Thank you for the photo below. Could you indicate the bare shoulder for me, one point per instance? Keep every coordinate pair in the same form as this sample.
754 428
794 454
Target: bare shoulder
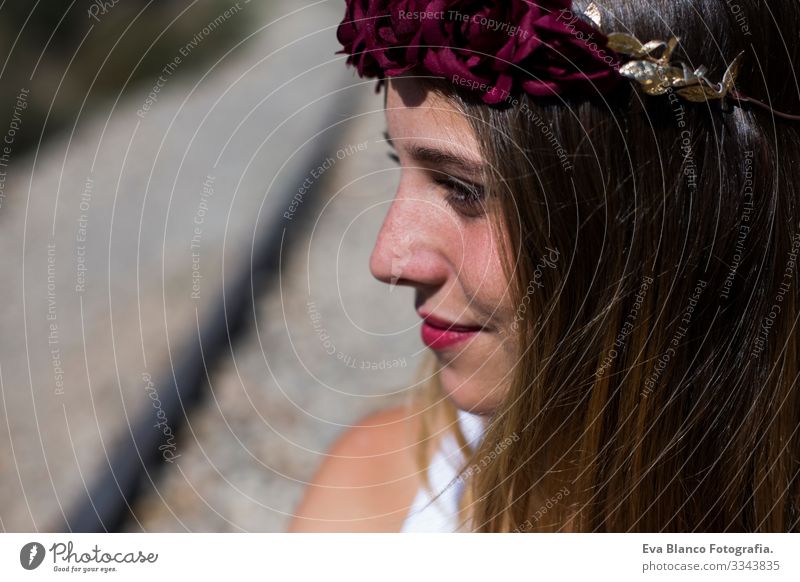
368 479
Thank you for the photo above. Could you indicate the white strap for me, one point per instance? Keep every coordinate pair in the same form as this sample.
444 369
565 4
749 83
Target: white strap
442 514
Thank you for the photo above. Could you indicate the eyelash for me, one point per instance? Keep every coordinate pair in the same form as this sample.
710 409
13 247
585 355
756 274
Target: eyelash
465 198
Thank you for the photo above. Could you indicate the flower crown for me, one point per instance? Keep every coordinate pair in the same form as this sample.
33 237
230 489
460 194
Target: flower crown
498 48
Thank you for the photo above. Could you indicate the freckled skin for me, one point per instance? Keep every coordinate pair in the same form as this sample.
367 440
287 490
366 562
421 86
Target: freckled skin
451 260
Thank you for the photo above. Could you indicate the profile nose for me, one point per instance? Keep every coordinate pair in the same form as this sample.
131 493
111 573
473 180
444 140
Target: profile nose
408 250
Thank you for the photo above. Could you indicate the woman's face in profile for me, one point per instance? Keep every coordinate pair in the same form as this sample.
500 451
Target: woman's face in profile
438 239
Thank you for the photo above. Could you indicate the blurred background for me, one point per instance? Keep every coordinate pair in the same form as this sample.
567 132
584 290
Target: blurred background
189 194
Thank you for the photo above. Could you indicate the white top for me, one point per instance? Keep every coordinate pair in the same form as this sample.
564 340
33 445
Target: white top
442 514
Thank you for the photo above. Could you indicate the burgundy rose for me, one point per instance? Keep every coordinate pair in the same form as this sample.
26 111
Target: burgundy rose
495 47
573 58
380 37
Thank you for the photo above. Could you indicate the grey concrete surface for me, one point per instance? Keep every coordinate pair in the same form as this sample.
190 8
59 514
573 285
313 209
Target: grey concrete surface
96 232
330 345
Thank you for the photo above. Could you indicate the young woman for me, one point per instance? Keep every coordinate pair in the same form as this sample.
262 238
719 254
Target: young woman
603 235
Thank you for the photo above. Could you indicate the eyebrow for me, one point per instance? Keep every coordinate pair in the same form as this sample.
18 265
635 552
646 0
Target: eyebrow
437 157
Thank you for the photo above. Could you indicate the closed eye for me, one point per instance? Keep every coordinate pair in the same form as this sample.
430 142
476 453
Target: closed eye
463 196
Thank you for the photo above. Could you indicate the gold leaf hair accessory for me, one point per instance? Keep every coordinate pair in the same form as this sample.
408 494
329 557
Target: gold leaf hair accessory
651 66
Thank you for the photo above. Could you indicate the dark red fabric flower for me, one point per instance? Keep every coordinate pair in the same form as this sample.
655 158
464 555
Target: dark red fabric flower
495 47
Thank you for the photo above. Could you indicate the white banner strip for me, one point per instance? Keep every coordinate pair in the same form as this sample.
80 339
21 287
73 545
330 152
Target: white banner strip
401 557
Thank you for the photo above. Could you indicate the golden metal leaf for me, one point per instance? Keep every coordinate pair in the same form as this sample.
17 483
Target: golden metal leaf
699 93
657 75
642 71
651 46
686 81
689 77
654 78
593 13
671 44
656 89
729 78
677 76
625 44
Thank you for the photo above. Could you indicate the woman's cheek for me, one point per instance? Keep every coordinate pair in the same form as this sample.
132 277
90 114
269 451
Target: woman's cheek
483 274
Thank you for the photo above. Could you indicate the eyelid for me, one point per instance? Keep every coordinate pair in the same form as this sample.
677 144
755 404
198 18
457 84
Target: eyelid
469 184
448 179
469 209
435 158
466 198
444 178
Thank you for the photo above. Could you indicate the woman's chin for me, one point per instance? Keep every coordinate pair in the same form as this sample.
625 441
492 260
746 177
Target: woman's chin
467 391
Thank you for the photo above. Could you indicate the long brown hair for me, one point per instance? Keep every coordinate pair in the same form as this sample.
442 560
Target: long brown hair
656 383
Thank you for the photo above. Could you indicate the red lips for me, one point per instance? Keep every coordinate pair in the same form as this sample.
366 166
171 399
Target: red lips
439 334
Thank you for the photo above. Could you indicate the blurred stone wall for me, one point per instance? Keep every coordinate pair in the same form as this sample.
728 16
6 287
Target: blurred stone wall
109 274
